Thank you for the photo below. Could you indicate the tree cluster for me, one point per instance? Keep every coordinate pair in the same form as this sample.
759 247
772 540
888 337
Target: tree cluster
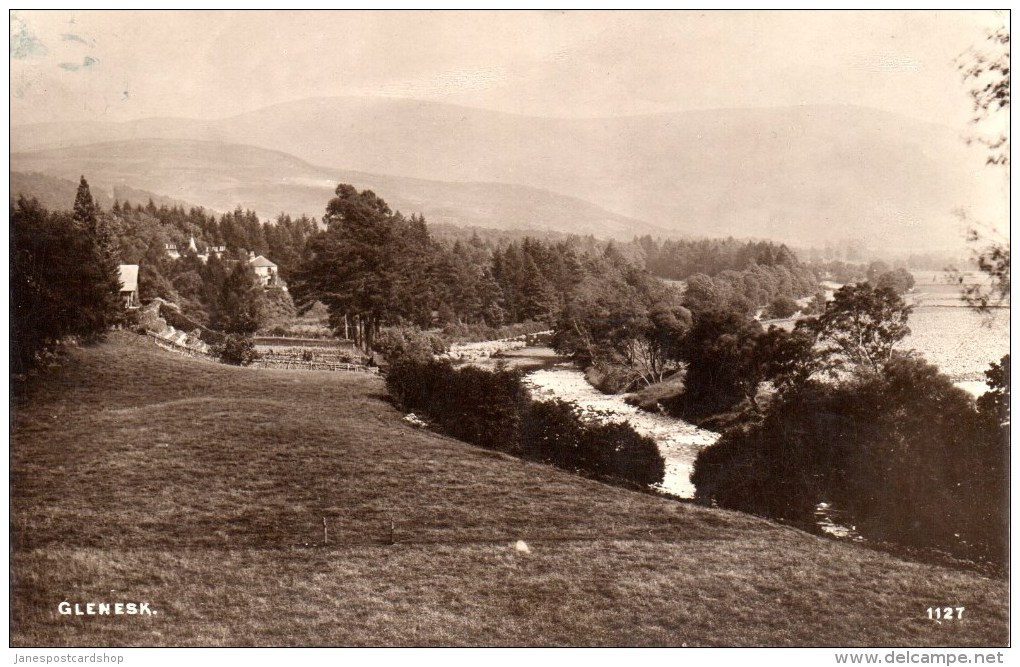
631 326
64 276
144 231
884 437
620 316
879 274
728 357
373 267
753 289
679 259
903 454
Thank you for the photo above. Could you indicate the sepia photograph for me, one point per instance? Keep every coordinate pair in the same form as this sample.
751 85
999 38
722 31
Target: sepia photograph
512 329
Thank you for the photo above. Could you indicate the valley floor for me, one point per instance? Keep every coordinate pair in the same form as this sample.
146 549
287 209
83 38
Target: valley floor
203 490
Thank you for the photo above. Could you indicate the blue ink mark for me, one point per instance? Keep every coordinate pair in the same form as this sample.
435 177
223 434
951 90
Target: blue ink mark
71 37
25 45
88 62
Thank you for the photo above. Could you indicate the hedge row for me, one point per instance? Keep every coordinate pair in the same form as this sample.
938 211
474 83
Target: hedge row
494 410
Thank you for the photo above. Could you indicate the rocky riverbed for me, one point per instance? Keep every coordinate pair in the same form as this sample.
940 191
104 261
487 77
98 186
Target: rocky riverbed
678 441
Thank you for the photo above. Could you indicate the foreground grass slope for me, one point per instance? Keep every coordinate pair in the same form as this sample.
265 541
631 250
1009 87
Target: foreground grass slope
202 489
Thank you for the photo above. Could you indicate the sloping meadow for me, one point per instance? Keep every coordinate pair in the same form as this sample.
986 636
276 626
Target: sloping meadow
254 507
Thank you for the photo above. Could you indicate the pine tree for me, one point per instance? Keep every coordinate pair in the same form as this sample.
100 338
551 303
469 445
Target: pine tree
356 267
86 211
99 290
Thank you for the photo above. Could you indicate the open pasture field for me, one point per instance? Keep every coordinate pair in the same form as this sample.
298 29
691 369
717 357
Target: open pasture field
959 341
935 288
203 490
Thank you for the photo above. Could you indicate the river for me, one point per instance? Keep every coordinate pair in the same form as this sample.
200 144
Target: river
550 377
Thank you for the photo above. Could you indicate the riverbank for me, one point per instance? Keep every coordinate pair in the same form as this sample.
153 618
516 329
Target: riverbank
551 376
678 441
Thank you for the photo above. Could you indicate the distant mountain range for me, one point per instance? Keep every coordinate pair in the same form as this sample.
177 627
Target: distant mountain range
58 194
223 176
804 175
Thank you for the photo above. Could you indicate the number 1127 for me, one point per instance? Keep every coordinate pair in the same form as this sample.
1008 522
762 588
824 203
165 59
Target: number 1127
945 613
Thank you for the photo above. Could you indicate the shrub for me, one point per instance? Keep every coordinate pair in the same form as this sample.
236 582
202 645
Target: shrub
899 281
553 433
611 378
237 350
781 307
131 320
398 342
480 407
484 407
631 457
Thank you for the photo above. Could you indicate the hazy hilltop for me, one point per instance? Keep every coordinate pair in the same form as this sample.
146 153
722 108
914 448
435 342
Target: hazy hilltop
57 193
223 176
804 175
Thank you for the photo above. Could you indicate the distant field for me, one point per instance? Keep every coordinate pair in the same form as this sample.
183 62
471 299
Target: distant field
961 343
945 331
137 475
950 335
933 288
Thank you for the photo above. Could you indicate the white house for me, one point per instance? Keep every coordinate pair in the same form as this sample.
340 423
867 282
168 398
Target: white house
129 282
264 269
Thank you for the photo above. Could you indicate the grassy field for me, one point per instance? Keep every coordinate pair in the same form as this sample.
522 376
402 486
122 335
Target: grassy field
959 341
201 489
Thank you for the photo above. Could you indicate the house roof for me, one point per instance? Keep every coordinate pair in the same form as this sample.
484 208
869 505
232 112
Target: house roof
261 261
129 277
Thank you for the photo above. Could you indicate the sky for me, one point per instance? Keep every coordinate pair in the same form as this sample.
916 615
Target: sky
123 65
